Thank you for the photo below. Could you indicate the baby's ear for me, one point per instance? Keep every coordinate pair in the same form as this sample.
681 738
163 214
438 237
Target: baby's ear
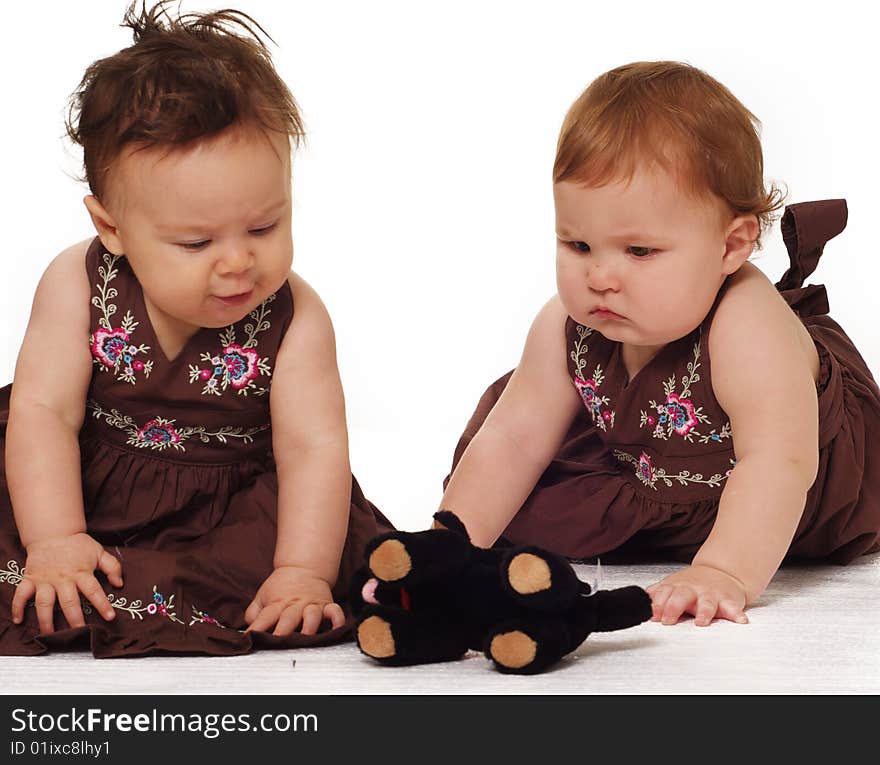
105 225
739 242
444 519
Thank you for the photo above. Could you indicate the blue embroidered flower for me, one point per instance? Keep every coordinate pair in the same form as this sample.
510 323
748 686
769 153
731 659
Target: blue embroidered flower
159 433
242 364
108 346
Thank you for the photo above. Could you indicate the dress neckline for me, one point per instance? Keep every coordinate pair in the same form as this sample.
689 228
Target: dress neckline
148 321
617 364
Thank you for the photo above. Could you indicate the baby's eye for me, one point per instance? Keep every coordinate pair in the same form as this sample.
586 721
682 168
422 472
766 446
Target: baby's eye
641 252
195 246
579 246
263 230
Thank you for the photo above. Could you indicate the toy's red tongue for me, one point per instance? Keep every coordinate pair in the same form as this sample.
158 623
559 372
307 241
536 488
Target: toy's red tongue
404 599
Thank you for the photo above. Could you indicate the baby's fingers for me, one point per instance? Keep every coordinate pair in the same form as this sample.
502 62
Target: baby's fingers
94 593
707 606
680 600
732 611
112 568
659 595
265 619
23 593
44 601
334 613
68 599
311 618
289 620
253 610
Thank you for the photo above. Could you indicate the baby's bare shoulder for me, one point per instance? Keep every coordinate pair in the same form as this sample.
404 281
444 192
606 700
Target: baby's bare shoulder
64 286
751 299
58 329
760 368
67 270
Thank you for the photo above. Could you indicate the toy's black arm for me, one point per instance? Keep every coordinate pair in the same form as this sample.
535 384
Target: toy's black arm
618 609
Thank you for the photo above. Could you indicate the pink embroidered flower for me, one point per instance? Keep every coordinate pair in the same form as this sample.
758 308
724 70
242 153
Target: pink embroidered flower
108 345
680 412
241 365
587 389
606 415
151 609
645 468
155 432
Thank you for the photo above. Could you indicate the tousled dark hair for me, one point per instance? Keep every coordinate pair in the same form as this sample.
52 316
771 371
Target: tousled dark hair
185 78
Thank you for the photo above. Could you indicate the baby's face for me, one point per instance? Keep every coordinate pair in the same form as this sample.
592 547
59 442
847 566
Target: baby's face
206 229
639 262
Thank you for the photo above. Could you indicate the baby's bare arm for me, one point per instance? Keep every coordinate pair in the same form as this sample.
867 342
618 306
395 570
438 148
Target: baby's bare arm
763 375
42 450
764 378
310 444
48 404
521 435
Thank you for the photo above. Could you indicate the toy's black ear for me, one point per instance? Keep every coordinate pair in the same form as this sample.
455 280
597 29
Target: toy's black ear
449 520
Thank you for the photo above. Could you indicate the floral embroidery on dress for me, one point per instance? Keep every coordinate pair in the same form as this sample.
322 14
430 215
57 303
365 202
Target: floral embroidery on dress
201 617
236 365
111 347
157 606
160 433
160 606
136 608
649 474
588 389
677 413
12 573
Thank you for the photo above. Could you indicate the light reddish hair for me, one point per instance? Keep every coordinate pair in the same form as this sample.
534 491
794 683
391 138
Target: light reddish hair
677 116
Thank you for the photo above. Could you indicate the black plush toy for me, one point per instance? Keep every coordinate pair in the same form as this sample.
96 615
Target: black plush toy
429 596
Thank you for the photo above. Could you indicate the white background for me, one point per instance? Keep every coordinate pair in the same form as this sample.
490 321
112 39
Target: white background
423 211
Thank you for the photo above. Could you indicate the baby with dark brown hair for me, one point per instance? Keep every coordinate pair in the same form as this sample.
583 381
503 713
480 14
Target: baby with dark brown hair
177 479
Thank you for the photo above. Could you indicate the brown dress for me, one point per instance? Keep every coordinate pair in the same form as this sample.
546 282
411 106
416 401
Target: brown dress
642 469
178 482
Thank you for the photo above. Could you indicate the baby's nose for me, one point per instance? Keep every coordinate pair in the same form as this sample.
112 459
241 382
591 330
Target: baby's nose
235 260
602 276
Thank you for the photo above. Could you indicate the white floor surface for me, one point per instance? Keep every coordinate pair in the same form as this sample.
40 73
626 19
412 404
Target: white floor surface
816 630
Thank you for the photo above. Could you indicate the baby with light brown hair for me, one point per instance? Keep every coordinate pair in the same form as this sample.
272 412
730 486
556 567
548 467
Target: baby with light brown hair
670 400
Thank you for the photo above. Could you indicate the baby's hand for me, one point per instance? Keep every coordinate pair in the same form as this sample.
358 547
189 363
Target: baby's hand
703 591
62 568
289 597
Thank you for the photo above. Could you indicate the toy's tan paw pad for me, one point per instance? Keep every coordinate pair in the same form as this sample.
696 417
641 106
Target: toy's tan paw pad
390 561
375 638
529 574
513 649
